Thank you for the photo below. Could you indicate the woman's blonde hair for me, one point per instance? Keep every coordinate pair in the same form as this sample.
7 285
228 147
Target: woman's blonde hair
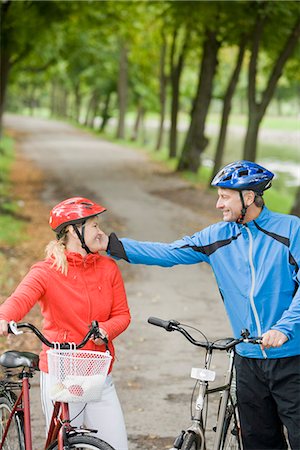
56 250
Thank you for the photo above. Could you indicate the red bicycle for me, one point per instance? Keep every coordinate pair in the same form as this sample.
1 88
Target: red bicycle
15 423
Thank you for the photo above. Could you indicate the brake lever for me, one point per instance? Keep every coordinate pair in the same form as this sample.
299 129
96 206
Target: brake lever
94 329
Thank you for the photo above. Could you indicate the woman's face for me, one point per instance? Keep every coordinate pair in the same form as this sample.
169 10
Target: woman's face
93 235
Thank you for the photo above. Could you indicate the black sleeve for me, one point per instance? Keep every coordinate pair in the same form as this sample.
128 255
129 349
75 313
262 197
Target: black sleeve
115 247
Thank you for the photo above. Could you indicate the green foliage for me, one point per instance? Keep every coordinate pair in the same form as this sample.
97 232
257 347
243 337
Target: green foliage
11 230
64 53
6 160
273 153
11 227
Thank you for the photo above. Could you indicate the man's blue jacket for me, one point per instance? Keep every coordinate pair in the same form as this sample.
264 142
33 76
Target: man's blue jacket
256 266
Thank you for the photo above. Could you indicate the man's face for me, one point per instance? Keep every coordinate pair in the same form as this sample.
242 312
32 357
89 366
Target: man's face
230 204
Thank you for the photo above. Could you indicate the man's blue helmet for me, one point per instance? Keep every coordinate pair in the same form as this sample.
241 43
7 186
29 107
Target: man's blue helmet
244 175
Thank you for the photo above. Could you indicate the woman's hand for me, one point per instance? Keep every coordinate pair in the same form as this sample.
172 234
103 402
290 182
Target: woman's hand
99 341
3 327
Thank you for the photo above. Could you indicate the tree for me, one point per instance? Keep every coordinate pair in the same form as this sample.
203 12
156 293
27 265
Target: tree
176 67
21 22
296 207
196 141
227 106
271 15
122 90
163 80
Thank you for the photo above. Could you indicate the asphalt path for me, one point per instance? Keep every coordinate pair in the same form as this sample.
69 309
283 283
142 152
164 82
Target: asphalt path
152 369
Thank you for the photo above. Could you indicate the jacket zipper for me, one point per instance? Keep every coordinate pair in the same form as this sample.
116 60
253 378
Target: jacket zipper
251 295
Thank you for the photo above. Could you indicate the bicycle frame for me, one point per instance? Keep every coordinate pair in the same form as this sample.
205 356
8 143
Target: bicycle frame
60 421
195 434
60 426
197 421
22 399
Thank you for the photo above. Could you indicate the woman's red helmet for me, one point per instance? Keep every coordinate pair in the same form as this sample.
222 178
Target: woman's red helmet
72 211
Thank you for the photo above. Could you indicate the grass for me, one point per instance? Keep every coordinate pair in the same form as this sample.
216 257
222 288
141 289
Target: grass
11 228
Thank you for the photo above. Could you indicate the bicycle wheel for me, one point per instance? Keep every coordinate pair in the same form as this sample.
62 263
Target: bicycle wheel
231 439
84 443
15 438
191 441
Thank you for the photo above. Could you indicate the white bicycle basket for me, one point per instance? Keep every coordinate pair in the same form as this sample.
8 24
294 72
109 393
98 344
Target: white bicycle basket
77 375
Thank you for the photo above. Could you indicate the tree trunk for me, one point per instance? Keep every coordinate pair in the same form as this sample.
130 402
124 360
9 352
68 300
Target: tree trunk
257 110
89 109
77 105
138 121
122 91
163 80
296 207
105 112
227 107
196 141
250 145
63 104
5 64
176 70
53 98
92 109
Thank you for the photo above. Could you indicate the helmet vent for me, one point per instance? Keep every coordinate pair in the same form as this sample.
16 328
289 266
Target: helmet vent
243 173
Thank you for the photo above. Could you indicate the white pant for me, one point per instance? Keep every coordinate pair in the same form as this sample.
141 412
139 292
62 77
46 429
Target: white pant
105 416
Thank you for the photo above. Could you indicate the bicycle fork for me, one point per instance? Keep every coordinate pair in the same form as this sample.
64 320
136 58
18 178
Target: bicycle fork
223 402
197 420
204 376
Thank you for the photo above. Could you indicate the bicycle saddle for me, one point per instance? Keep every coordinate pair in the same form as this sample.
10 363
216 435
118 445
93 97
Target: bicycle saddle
13 359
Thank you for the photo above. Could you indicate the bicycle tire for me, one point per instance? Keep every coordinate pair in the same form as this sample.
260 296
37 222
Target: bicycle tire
231 439
191 441
15 437
84 443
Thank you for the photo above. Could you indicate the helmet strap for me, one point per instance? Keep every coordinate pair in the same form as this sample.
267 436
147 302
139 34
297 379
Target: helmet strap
243 210
81 237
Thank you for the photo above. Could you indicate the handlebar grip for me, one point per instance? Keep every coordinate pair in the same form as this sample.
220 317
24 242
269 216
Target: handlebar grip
12 328
168 325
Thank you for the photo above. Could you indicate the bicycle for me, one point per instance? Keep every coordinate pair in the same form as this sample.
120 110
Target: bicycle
15 425
227 432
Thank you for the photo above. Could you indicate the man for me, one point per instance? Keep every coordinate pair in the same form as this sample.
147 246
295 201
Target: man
255 257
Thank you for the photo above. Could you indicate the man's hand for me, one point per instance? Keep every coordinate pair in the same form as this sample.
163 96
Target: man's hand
273 338
3 328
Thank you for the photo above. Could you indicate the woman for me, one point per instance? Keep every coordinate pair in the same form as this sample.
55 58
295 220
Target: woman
73 286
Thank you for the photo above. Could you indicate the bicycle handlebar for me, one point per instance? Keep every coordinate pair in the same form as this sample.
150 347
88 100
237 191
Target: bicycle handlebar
174 325
94 331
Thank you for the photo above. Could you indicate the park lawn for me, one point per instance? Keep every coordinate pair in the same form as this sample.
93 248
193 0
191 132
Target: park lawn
12 228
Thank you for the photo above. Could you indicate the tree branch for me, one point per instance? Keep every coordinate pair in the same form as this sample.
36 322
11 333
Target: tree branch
277 70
